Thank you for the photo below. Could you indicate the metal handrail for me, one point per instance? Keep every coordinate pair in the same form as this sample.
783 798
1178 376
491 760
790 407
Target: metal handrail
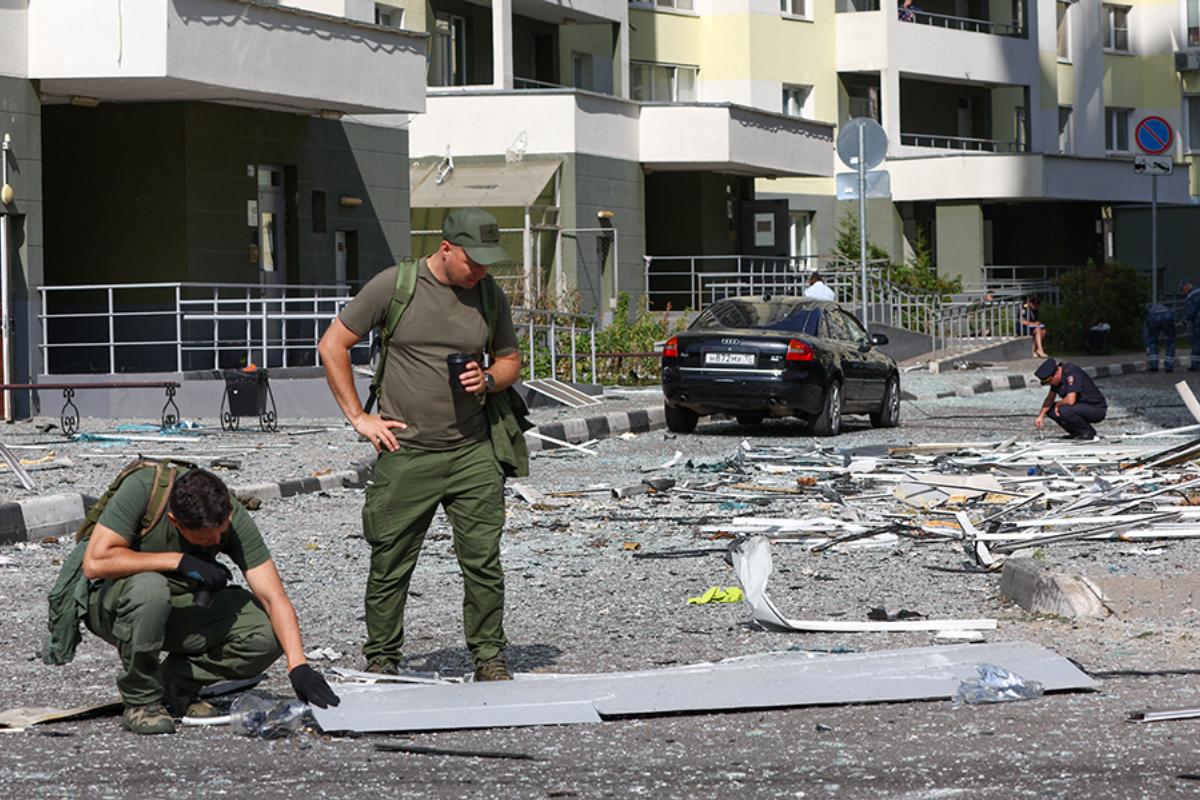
969 143
968 24
262 322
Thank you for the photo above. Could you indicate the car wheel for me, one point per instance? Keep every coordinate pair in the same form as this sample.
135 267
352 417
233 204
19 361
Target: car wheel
680 419
829 421
888 415
750 419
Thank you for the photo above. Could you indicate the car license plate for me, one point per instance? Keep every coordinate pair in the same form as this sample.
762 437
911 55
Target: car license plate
735 359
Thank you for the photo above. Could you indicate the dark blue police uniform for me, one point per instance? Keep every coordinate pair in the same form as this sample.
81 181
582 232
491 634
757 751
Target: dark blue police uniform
1090 405
1160 321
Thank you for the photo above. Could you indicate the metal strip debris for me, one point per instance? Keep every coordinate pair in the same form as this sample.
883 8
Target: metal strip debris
752 562
770 680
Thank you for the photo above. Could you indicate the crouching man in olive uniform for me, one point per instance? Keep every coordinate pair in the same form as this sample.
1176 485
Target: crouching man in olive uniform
163 591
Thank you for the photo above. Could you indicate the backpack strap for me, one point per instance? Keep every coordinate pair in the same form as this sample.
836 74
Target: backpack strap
160 493
406 284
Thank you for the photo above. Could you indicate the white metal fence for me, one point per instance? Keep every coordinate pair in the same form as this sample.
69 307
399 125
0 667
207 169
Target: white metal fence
694 282
179 327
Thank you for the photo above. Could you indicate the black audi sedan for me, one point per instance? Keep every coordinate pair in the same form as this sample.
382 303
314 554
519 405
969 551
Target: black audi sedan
756 357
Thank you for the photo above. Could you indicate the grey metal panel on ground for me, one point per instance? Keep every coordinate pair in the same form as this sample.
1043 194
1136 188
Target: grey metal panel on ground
563 393
764 681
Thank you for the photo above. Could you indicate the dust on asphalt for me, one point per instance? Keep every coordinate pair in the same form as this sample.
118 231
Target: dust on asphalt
578 601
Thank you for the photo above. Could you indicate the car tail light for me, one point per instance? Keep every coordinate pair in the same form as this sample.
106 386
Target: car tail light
671 348
799 351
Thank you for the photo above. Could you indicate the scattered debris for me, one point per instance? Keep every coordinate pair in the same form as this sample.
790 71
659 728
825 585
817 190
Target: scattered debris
326 653
562 393
226 463
393 747
996 685
718 594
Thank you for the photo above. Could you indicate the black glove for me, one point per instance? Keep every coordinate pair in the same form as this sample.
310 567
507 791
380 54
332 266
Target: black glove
209 574
311 688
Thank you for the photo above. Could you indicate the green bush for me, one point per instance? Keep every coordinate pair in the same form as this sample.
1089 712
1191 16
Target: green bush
628 333
918 273
1114 293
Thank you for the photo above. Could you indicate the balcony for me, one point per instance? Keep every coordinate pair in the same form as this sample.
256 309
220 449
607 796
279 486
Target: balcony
733 139
234 51
936 44
667 137
1028 176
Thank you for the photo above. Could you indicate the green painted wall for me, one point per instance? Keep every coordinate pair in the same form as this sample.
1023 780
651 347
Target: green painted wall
159 192
959 232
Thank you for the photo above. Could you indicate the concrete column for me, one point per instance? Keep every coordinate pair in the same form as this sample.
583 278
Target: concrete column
502 47
889 100
958 229
622 59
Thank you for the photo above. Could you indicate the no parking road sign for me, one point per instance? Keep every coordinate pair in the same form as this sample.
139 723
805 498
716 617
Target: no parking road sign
1153 135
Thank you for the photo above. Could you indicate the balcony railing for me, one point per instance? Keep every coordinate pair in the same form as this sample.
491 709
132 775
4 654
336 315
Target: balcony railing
965 143
968 24
936 20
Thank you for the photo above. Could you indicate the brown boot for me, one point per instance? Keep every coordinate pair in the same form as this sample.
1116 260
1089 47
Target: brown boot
493 669
148 719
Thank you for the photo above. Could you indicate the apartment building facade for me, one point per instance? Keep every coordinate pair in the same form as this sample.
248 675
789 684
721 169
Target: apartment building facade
1010 122
214 141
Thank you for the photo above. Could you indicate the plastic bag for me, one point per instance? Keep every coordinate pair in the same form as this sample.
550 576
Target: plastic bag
266 718
995 685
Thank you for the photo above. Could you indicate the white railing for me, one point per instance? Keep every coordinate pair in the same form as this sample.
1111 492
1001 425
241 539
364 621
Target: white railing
966 143
152 327
178 327
694 282
968 24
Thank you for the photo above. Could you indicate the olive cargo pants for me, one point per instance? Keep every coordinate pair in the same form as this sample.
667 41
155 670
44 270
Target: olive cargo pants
402 498
147 613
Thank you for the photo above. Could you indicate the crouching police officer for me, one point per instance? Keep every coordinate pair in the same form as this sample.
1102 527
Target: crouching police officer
160 590
1081 402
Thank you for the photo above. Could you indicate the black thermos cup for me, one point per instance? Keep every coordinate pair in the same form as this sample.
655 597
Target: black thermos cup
456 364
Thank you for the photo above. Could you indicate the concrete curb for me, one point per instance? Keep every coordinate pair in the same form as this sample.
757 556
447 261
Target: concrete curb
61 514
1005 383
1041 590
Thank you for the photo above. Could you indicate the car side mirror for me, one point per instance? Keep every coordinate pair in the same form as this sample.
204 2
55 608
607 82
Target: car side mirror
879 339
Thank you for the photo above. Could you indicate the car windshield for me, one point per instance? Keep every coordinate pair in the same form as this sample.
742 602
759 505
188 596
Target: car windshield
778 315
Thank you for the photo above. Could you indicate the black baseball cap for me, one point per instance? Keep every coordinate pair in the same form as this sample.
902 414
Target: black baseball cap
1045 370
477 232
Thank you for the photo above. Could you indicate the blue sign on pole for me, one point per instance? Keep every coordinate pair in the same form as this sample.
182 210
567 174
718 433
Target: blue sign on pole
1153 135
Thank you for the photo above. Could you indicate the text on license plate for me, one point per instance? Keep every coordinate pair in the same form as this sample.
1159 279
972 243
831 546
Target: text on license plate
738 359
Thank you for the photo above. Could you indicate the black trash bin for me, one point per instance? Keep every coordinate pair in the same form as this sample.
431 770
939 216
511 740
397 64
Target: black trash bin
1097 339
247 394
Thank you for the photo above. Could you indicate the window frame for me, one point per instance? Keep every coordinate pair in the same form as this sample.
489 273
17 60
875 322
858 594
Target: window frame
1065 37
673 80
807 89
668 7
1108 34
790 13
1191 116
395 12
1111 115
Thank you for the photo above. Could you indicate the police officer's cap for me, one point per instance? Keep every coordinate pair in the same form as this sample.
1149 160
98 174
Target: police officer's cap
1045 370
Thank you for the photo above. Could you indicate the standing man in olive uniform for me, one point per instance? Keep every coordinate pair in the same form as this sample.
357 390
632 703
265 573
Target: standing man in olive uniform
143 599
1080 403
433 441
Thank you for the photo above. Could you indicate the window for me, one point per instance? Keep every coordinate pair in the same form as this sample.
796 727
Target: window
662 83
799 234
1064 32
1116 130
1193 23
1116 28
1192 104
448 51
1064 129
389 16
794 8
796 101
679 5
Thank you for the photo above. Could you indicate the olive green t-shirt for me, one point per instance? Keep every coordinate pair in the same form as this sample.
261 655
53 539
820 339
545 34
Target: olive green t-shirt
123 515
439 320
